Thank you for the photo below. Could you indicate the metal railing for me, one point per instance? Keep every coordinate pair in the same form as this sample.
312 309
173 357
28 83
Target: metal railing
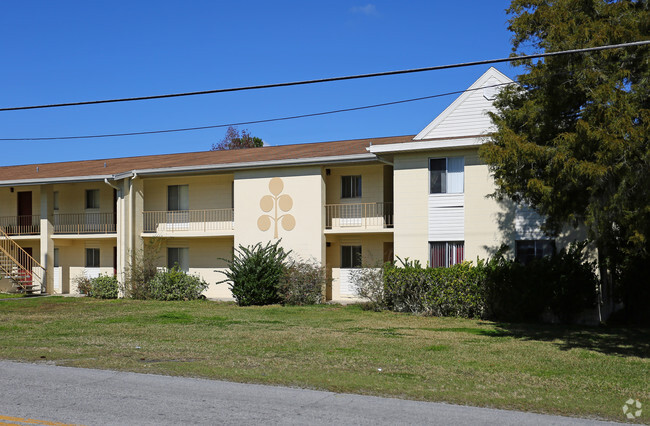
189 220
362 215
21 225
84 223
19 266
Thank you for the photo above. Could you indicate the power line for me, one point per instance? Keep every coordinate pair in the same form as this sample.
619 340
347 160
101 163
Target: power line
242 123
331 79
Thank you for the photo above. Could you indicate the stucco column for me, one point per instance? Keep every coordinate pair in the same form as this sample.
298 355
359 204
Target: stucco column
137 208
47 230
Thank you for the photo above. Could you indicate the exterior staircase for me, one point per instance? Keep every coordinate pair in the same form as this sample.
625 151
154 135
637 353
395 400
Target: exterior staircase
16 265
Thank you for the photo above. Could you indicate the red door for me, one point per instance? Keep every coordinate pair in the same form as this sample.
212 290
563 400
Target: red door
25 212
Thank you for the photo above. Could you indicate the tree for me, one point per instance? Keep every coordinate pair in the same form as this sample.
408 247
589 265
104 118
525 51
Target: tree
572 135
235 140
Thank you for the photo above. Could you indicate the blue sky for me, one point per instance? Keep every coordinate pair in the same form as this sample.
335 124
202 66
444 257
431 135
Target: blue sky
70 51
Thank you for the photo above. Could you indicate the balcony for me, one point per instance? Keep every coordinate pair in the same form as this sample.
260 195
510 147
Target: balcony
189 222
65 223
85 223
21 225
358 217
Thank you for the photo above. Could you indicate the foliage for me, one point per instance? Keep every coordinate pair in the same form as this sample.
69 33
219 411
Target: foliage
235 140
254 273
369 285
563 285
84 285
104 287
101 287
175 284
572 137
453 291
141 269
302 283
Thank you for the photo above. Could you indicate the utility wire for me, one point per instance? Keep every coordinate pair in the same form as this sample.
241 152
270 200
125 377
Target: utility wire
326 80
268 120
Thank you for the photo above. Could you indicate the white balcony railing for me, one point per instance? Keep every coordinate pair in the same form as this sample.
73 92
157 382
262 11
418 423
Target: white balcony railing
21 225
188 221
360 216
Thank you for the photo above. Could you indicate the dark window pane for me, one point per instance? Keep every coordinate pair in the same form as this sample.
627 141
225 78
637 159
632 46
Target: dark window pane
92 258
92 198
350 257
350 186
438 175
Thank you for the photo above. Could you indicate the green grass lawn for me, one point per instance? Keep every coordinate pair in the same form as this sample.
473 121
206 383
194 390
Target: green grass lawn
551 369
10 295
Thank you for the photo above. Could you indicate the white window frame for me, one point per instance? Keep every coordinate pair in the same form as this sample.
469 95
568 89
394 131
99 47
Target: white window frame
448 175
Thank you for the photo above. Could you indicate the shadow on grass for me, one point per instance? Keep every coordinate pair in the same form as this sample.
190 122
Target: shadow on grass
610 341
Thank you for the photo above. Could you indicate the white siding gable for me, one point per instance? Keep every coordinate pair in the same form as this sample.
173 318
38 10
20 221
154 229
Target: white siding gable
467 115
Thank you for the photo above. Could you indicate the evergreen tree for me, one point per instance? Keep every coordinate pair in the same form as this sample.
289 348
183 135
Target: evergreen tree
572 135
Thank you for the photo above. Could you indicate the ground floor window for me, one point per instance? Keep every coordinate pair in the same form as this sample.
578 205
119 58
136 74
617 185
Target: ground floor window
445 254
178 256
350 256
528 250
92 258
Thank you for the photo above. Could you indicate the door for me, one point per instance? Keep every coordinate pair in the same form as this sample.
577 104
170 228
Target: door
24 212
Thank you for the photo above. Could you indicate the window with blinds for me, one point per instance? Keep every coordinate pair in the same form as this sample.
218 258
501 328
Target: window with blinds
446 254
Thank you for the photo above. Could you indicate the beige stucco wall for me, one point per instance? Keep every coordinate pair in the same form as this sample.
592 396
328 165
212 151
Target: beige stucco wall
372 184
72 258
372 248
305 186
411 191
72 197
9 200
205 192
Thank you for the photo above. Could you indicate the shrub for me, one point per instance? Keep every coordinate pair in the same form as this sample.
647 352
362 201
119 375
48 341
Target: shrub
302 283
453 291
369 285
141 269
563 284
175 284
104 287
84 285
254 273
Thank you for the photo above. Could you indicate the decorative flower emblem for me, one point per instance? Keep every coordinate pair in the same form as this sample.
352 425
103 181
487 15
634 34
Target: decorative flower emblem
272 203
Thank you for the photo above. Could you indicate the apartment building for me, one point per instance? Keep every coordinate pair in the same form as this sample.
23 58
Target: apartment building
345 204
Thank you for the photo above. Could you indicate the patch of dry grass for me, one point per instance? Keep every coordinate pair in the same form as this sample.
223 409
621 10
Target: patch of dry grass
551 369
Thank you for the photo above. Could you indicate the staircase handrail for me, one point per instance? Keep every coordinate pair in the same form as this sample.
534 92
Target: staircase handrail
12 250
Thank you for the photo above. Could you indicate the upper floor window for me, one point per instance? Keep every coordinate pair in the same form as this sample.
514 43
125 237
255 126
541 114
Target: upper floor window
178 197
446 254
528 250
351 186
55 200
92 198
446 175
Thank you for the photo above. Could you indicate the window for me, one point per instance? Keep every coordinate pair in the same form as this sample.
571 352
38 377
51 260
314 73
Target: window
350 257
528 250
55 200
178 197
350 186
178 256
92 258
446 175
92 198
56 258
445 254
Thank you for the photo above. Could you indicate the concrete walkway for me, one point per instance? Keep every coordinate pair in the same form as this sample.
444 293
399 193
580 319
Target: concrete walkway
51 395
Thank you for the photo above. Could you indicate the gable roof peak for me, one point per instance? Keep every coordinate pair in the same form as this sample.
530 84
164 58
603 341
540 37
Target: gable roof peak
467 115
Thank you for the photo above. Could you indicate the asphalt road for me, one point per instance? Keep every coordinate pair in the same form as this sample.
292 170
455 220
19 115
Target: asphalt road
50 395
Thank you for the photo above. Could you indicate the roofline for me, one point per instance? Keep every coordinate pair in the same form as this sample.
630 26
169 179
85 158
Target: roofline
428 145
352 158
52 180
